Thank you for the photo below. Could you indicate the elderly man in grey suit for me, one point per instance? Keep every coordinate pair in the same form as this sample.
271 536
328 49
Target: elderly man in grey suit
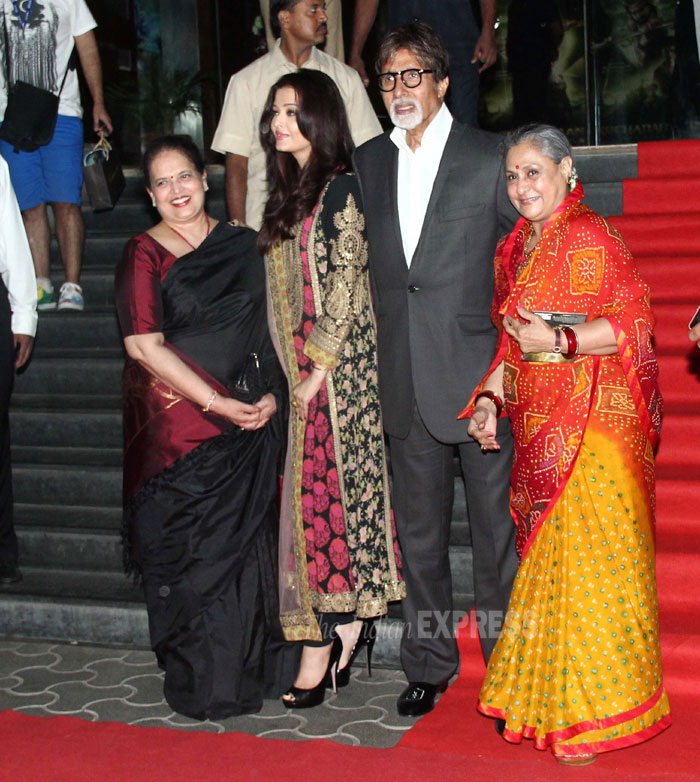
435 204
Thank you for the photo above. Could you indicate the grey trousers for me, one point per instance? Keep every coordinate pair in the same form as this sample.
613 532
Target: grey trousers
423 491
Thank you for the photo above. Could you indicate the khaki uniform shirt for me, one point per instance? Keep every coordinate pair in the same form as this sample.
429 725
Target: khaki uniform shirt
238 129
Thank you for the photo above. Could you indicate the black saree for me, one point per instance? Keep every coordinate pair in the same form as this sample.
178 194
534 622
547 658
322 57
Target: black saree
200 493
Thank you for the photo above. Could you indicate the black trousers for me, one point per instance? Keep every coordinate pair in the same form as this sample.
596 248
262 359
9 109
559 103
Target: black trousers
423 491
8 539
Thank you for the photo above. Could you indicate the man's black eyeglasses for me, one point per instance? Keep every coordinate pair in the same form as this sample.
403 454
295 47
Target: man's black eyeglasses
411 77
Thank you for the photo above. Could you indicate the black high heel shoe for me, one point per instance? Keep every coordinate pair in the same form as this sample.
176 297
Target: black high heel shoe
366 640
306 699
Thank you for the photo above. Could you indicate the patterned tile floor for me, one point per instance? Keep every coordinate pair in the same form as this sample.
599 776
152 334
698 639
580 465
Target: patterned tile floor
125 685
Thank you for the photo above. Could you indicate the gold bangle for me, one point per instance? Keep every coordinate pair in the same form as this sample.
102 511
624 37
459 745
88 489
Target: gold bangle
213 396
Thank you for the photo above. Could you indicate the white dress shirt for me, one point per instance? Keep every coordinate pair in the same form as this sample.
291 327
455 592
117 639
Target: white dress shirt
417 172
16 266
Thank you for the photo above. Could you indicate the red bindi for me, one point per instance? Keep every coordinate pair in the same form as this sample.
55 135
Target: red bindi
517 168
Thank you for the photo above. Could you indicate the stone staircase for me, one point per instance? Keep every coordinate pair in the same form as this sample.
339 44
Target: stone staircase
66 435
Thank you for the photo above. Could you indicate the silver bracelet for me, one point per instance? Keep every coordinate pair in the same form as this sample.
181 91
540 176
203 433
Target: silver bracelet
213 396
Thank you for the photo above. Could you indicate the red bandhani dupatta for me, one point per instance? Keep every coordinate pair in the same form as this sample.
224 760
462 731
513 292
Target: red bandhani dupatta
580 265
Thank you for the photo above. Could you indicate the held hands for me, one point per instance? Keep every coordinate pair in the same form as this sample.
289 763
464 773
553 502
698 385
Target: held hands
534 335
304 392
482 426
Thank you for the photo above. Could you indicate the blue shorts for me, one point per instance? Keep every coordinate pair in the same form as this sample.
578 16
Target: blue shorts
51 173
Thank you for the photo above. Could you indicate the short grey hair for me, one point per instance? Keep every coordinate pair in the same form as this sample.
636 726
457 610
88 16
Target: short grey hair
424 43
550 141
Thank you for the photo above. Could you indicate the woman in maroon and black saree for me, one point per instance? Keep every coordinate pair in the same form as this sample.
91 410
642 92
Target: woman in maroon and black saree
200 467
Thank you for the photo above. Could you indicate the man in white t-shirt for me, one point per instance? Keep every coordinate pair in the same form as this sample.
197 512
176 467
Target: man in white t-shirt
302 24
40 36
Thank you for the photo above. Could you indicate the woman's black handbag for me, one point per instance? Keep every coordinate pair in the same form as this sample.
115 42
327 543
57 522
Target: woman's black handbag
249 387
30 116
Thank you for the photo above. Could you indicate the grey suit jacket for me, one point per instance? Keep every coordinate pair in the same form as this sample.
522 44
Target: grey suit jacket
434 330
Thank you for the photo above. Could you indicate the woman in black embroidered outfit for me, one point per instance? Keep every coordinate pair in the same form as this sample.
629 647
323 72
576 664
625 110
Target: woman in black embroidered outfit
200 467
339 562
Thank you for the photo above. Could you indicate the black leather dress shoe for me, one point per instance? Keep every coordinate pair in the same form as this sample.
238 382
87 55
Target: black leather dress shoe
418 698
500 726
9 574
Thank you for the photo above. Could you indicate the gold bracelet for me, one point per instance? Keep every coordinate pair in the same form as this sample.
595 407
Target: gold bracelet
213 396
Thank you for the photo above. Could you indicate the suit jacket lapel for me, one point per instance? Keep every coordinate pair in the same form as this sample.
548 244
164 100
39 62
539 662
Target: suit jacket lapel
394 199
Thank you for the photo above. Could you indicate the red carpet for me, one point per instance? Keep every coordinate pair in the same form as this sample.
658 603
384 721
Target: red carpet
454 742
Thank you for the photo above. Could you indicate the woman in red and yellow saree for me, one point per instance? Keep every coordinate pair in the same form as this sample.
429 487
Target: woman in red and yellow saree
339 561
577 666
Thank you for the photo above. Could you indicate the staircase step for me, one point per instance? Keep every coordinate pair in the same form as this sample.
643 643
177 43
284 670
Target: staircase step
662 195
77 517
90 606
661 274
610 163
88 585
679 593
58 376
661 159
75 428
100 250
679 429
679 376
671 330
680 651
67 485
75 549
605 198
45 402
96 327
97 284
677 503
660 234
38 454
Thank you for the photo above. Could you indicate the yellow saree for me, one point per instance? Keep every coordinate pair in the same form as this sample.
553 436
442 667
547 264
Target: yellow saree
577 666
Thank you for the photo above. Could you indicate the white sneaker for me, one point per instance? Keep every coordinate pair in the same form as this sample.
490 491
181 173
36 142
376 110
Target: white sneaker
71 297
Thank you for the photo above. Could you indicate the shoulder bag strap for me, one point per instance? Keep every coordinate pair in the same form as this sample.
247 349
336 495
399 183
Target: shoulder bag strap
7 46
